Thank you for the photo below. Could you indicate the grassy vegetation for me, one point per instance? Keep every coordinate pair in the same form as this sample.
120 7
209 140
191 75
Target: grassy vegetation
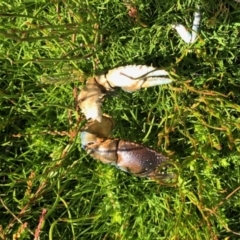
50 188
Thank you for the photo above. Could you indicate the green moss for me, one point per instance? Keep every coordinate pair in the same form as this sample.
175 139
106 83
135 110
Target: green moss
47 49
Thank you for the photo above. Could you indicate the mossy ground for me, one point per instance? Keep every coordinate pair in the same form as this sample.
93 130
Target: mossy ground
50 188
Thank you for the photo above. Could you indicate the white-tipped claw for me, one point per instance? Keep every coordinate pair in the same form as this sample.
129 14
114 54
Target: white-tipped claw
184 33
133 77
130 78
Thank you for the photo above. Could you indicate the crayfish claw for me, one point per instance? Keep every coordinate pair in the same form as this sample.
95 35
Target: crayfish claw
189 37
127 156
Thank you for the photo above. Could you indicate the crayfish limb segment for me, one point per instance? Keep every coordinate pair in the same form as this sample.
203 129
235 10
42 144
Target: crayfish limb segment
90 100
137 159
95 130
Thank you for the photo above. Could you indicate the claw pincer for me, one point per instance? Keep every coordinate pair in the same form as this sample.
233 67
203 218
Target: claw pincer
128 156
